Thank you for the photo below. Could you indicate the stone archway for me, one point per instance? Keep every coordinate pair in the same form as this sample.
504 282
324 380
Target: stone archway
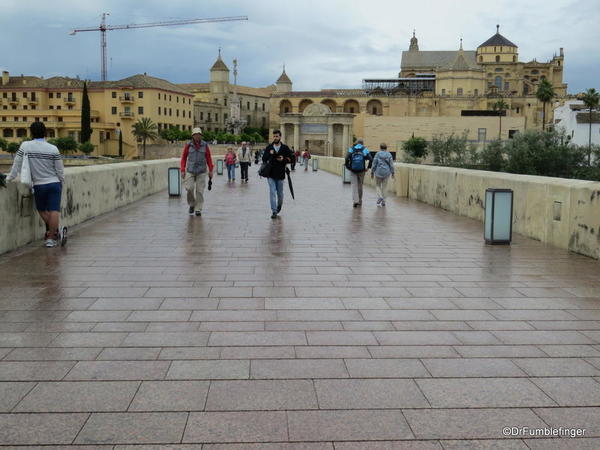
304 104
285 107
331 104
375 107
351 106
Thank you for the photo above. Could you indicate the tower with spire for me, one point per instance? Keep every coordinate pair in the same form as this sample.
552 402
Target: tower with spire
283 84
219 80
414 43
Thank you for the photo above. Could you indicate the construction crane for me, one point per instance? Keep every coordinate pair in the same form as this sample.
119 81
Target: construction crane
103 28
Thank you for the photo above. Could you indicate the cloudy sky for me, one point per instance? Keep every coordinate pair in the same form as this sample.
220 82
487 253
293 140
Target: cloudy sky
323 43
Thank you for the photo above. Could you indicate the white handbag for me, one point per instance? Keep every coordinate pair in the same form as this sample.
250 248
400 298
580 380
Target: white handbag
26 171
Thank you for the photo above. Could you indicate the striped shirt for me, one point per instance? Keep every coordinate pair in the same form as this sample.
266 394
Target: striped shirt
45 162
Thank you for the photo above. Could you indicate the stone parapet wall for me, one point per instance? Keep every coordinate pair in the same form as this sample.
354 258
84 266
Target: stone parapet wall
88 192
560 212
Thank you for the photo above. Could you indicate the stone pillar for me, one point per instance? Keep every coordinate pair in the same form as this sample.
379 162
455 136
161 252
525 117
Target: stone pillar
282 129
297 136
345 143
329 140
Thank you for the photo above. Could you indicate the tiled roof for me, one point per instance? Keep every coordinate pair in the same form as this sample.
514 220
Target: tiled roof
219 65
283 78
498 39
460 63
432 59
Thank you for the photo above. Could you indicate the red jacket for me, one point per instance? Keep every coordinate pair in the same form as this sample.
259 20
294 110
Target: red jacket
186 150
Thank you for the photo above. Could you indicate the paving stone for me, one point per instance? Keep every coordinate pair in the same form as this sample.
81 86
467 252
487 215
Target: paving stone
468 423
97 316
274 352
79 397
128 354
413 351
190 353
569 350
483 393
534 314
386 368
581 418
272 446
130 304
160 316
298 368
174 292
340 338
567 442
225 338
303 303
331 352
116 292
336 314
12 393
542 337
501 325
548 367
209 370
119 370
169 327
170 396
239 316
167 339
255 426
490 444
189 303
476 337
499 351
53 354
388 445
88 340
365 303
108 327
36 429
26 339
135 428
465 367
347 425
574 391
369 393
434 325
416 338
396 314
34 370
261 395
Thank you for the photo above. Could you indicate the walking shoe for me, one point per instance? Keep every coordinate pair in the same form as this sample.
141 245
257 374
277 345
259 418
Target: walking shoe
274 216
63 236
379 200
354 205
209 184
191 211
279 208
198 213
382 202
50 243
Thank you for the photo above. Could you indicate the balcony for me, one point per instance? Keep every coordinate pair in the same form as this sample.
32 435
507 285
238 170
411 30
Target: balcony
126 114
126 99
13 101
69 100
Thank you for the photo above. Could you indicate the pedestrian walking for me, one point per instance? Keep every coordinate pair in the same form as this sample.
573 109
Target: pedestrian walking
356 162
382 169
276 155
244 156
196 162
47 179
230 162
297 159
305 157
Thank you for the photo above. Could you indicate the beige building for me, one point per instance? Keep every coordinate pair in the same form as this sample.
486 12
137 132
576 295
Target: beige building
454 88
115 107
212 101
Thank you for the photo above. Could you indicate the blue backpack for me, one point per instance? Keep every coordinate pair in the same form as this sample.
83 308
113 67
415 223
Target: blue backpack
357 160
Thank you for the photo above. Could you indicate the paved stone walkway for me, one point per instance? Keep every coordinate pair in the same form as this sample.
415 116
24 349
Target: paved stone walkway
329 328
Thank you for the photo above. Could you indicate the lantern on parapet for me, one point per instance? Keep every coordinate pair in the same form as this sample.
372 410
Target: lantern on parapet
498 216
219 167
174 181
346 175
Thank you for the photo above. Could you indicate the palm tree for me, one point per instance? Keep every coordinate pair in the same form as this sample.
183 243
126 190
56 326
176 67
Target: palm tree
544 94
145 129
591 98
500 106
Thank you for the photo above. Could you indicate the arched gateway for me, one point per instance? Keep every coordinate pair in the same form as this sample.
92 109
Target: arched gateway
319 129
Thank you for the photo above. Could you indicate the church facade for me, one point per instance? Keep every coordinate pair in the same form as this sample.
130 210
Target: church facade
435 91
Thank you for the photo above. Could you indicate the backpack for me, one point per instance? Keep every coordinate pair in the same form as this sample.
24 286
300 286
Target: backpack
357 160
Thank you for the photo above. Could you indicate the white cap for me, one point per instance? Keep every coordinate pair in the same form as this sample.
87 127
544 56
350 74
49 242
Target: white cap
196 131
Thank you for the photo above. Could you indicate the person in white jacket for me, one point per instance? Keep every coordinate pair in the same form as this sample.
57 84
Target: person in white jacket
47 176
244 157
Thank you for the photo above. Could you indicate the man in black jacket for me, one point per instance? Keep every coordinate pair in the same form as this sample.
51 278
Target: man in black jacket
278 155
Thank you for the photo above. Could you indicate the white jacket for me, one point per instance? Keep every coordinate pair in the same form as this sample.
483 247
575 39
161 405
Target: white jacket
244 158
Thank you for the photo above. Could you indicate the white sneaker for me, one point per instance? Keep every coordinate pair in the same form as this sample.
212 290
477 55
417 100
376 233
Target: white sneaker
50 243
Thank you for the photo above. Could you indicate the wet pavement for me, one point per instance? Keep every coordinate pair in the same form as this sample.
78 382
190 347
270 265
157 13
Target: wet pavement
329 327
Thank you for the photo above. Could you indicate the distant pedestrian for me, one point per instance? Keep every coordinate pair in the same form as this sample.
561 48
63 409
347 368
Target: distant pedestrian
305 158
277 155
382 169
196 161
297 159
356 162
244 156
47 177
230 162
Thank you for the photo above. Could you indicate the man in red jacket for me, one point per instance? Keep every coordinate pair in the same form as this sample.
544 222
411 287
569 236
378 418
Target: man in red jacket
195 163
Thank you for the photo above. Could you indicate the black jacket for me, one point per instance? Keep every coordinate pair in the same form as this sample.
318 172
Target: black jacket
277 167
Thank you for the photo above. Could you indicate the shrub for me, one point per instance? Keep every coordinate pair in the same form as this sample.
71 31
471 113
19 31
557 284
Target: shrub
12 147
86 147
492 157
3 144
64 144
415 147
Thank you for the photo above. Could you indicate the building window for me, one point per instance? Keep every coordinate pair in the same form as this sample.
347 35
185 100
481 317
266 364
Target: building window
263 106
159 95
189 114
140 94
216 117
352 110
480 58
497 58
459 92
44 119
170 111
515 60
59 107
33 107
51 95
177 113
443 91
498 82
113 110
287 109
140 110
159 110
518 109
201 115
476 92
248 105
114 94
177 98
24 94
169 97
58 95
481 134
225 101
24 106
506 85
264 122
208 117
248 120
225 117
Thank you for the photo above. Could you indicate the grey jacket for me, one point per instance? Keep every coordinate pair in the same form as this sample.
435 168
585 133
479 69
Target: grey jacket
383 164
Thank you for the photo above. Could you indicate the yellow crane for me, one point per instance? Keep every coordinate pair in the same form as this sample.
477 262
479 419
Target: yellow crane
103 28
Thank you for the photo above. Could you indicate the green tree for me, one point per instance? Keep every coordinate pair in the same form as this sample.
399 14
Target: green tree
145 130
451 150
120 143
415 147
12 147
64 144
591 99
3 144
492 156
545 93
86 147
86 123
500 107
